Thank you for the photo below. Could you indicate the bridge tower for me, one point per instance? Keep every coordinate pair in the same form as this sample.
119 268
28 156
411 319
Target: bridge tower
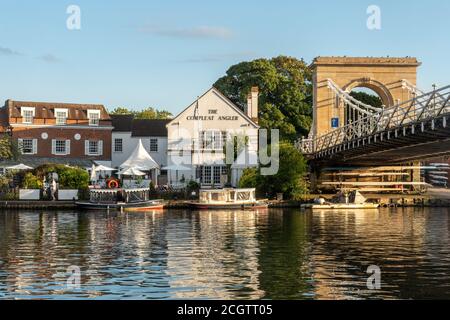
385 76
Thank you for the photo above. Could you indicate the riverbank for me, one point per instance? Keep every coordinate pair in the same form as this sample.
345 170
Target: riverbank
435 198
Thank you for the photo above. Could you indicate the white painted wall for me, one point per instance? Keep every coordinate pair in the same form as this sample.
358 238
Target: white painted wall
130 143
183 130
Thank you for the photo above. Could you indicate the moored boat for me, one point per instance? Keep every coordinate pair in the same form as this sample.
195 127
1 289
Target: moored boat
228 198
120 199
342 201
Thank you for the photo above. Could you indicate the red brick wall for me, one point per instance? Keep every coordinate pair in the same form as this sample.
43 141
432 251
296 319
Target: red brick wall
76 147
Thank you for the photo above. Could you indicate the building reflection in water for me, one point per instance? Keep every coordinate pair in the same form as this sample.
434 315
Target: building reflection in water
216 255
272 254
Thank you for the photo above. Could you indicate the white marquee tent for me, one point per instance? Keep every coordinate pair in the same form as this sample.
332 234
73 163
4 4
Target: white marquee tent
141 160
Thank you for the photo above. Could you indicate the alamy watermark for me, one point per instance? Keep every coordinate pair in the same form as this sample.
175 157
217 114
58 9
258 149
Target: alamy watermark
374 280
374 19
73 21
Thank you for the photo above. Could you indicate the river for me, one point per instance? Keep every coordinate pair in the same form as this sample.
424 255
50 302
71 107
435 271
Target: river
272 254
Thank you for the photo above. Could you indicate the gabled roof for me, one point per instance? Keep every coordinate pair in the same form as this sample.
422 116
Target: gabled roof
225 99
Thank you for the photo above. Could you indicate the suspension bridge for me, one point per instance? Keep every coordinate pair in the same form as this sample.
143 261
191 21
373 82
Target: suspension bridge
411 125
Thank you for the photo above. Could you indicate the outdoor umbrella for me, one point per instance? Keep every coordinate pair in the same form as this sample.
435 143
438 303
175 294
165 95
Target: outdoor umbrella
104 168
20 167
93 173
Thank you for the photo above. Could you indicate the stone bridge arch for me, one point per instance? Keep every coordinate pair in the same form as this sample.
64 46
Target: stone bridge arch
385 76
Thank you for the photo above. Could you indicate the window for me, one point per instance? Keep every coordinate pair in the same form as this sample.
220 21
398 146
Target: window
94 117
60 147
61 116
212 139
93 147
27 146
216 176
27 115
118 145
206 179
153 145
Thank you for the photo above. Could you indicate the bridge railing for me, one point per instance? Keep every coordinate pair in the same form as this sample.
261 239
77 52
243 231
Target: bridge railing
420 108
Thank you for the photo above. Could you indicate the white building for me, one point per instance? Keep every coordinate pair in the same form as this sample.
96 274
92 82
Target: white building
197 136
126 135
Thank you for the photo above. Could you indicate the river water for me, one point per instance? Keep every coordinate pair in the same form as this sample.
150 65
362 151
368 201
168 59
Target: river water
272 254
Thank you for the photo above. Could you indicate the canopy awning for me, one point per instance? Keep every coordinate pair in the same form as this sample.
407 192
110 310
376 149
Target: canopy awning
131 172
140 159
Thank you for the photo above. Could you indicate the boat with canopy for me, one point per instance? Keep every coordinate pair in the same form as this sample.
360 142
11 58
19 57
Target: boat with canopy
228 198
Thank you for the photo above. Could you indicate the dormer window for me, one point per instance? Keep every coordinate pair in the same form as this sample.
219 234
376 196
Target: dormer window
28 114
94 117
61 116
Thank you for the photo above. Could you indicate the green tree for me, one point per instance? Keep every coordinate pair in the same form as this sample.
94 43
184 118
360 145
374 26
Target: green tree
289 180
147 113
9 150
367 98
121 110
285 100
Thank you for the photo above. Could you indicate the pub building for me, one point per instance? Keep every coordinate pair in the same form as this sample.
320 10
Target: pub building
198 135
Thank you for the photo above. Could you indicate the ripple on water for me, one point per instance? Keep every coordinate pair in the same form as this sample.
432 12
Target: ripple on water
229 255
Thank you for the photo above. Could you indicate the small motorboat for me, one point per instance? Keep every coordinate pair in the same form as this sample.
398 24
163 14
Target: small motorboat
228 198
342 201
130 200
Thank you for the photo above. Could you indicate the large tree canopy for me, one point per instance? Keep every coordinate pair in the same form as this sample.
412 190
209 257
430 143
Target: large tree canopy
285 100
148 113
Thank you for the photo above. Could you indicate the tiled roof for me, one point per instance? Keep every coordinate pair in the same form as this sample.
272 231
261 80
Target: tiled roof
140 127
45 110
122 122
149 128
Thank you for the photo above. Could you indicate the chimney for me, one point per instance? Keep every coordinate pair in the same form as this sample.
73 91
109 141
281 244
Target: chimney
252 104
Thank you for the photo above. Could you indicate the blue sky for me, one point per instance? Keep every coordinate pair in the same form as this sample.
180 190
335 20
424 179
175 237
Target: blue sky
166 53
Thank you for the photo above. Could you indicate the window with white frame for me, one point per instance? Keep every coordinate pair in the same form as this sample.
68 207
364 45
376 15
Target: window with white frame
94 117
28 114
118 145
212 139
153 145
26 146
94 147
60 147
61 116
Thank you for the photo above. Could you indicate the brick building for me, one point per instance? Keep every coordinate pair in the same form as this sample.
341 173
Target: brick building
74 134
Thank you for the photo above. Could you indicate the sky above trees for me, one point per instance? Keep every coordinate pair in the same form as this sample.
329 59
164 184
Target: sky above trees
166 53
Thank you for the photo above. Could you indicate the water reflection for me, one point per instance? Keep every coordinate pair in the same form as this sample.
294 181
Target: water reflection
274 254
